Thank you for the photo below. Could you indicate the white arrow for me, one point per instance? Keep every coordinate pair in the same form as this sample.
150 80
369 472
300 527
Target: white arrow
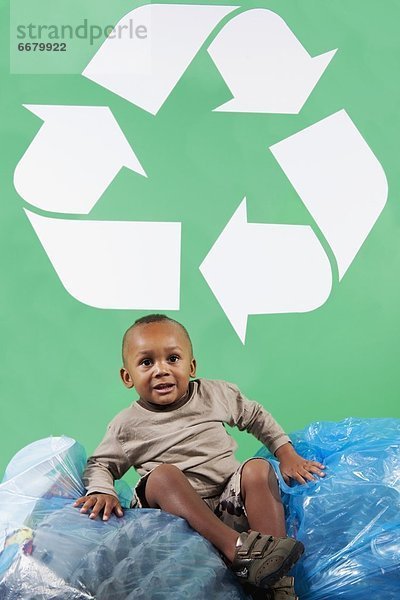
266 268
264 65
114 264
339 179
150 49
73 158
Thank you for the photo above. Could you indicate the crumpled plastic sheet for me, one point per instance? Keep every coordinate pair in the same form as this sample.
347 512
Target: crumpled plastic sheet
49 550
145 554
349 521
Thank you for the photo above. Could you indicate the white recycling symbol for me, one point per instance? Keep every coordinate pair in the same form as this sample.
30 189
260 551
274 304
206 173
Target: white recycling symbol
281 268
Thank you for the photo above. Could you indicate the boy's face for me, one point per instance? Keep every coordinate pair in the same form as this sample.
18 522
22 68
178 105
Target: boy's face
158 362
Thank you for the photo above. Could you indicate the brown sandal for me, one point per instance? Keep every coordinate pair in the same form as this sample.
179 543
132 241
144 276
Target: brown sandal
262 559
284 589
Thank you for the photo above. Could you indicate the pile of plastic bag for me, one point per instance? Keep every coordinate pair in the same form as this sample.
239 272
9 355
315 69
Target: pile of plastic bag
349 522
49 550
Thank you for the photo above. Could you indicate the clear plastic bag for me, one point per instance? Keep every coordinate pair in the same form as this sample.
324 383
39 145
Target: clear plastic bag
50 550
349 521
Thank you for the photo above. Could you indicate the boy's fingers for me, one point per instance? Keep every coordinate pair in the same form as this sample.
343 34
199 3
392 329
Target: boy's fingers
313 467
317 471
97 504
303 471
91 501
318 465
79 501
96 508
108 508
308 476
299 478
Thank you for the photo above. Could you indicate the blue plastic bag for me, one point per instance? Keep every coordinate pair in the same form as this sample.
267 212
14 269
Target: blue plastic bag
349 521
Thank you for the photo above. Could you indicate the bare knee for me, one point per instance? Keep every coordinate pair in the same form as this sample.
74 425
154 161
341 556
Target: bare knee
258 474
256 470
163 472
160 481
163 476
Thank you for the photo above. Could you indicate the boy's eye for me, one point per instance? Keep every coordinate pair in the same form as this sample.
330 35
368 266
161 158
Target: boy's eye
174 358
146 362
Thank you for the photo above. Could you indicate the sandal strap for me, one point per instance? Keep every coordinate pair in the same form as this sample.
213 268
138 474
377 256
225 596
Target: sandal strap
245 544
260 546
252 545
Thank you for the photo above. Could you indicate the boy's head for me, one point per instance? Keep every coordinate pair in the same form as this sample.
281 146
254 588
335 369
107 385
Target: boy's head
157 359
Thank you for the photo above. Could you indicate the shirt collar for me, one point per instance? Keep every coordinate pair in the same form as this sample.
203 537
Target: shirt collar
168 407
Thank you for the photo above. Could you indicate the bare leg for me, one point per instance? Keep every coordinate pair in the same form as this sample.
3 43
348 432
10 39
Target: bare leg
168 488
261 498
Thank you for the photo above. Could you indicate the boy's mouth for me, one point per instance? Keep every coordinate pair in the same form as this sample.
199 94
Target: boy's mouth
164 388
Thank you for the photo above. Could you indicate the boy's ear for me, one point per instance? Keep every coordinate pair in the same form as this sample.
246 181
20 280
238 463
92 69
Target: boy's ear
193 368
126 378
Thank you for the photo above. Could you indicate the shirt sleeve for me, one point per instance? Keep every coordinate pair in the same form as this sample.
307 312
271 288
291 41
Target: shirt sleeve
108 463
251 416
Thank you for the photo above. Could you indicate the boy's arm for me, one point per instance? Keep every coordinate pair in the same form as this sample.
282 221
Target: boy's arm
108 463
253 417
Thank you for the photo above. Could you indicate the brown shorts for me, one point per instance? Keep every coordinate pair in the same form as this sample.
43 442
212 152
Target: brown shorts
229 506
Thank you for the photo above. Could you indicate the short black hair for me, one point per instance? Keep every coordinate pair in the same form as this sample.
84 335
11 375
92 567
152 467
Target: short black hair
153 318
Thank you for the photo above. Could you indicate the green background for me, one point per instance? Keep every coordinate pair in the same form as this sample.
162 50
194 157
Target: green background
60 359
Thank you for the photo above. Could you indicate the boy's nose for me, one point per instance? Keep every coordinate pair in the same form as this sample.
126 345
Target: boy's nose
161 369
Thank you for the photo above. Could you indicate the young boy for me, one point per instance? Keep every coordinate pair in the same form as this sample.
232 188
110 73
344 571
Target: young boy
174 436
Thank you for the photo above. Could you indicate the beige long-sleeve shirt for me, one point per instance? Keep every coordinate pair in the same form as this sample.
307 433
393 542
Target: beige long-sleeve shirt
191 436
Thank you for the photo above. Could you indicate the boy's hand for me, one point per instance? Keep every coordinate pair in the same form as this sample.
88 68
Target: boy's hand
294 466
100 502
